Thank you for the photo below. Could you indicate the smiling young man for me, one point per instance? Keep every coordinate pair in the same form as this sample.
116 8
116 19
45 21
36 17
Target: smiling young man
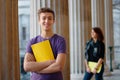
51 69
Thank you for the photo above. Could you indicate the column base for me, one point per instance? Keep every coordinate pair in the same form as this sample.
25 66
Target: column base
76 76
107 70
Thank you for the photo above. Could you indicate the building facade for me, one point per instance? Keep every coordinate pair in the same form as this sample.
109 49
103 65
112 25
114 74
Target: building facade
74 20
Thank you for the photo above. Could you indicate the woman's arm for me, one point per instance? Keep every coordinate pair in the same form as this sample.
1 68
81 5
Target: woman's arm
87 67
99 63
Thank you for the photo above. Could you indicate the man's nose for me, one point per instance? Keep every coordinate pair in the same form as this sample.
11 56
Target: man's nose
46 20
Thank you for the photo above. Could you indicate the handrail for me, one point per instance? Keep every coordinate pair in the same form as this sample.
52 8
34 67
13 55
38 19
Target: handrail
111 48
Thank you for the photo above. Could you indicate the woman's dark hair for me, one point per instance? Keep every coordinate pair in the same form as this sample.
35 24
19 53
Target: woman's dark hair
99 33
44 10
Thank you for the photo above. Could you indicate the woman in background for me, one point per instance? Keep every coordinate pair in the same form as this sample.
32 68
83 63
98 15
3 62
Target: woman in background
94 52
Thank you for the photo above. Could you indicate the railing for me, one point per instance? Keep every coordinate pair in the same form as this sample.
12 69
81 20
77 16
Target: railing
116 56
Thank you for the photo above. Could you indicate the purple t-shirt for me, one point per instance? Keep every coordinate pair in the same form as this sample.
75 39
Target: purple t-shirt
58 45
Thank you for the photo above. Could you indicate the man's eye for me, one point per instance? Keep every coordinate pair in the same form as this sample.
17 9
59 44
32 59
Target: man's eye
50 18
43 18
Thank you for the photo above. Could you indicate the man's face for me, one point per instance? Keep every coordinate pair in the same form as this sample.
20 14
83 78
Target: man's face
46 21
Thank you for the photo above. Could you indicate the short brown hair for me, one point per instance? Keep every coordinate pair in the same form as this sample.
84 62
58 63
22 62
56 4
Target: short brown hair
44 10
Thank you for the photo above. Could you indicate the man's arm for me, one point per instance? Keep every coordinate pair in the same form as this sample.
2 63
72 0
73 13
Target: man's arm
31 65
58 65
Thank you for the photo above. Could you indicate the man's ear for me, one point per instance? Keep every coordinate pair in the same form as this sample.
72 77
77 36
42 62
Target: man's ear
54 21
39 20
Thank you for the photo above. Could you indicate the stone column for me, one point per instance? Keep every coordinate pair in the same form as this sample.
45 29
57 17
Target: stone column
109 30
98 20
79 21
97 8
9 42
60 27
34 26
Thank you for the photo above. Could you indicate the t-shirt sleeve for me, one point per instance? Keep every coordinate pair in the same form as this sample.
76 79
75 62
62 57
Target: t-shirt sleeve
61 46
28 47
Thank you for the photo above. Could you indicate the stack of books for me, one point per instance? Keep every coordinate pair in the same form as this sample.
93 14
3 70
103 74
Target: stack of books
92 65
43 51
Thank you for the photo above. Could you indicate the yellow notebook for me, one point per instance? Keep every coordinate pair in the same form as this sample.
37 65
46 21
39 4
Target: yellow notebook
43 51
92 65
